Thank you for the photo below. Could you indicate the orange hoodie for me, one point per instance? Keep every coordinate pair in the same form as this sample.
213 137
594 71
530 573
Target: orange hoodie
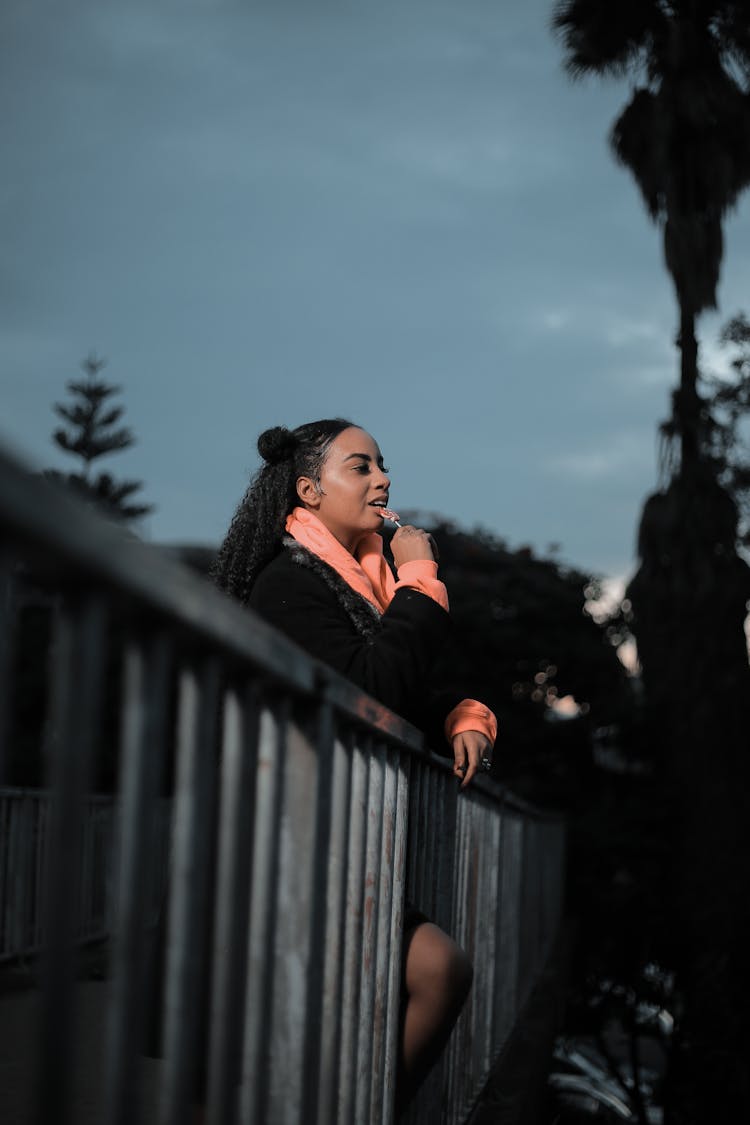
370 575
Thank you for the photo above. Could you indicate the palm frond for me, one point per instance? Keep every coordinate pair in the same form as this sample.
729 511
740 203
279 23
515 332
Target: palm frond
639 143
731 27
606 36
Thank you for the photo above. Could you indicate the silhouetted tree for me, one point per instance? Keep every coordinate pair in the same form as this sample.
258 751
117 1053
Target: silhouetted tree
685 136
91 432
729 411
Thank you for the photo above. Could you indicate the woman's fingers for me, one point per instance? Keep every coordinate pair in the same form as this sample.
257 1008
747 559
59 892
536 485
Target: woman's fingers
460 759
465 759
473 754
411 543
468 749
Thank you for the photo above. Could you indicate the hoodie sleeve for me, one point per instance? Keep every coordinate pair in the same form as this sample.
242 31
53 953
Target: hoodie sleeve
421 575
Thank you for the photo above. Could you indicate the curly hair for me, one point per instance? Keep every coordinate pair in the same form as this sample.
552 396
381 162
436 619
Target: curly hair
257 527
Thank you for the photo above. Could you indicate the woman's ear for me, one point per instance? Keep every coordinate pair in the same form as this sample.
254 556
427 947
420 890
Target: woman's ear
308 492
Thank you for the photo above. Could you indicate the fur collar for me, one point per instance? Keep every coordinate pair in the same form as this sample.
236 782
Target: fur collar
363 614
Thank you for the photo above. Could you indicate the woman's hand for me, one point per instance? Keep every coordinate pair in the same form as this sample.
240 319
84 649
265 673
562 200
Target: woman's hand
469 748
410 544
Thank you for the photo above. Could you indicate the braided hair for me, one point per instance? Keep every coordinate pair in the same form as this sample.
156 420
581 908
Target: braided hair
258 525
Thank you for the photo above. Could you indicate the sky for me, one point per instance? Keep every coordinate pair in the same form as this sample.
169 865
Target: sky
404 213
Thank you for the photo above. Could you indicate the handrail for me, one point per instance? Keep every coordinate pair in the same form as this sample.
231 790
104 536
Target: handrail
302 812
42 517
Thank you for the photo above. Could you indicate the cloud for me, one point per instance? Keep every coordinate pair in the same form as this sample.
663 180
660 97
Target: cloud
624 451
555 320
478 161
623 332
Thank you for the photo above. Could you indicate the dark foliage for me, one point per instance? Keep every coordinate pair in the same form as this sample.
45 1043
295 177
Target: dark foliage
728 422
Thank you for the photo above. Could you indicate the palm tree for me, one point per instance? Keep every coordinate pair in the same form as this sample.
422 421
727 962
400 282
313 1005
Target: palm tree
685 137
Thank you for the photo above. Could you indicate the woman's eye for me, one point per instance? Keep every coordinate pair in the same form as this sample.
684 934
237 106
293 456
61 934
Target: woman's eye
366 467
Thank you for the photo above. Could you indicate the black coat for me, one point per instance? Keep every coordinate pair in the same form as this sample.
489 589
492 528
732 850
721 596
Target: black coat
390 657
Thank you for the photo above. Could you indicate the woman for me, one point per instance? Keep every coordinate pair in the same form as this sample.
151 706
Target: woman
303 551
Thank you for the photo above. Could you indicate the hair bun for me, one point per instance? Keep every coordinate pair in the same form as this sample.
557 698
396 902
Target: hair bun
277 444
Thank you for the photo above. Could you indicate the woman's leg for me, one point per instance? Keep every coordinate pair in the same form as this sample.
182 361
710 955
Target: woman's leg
437 978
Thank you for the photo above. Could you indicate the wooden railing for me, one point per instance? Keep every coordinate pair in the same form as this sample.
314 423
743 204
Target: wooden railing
302 812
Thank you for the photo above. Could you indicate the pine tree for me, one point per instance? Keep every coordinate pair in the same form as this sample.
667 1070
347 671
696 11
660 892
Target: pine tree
91 432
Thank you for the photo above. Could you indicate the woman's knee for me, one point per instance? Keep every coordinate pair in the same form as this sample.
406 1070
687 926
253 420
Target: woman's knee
453 975
437 965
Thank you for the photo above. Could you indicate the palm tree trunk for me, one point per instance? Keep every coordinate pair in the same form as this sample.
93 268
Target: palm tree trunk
687 400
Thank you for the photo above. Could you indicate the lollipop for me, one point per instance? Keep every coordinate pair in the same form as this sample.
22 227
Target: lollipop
393 517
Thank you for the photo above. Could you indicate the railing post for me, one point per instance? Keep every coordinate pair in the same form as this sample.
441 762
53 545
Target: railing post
387 942
462 921
393 986
43 827
239 771
145 687
292 948
491 961
370 892
76 690
327 830
353 929
190 893
263 909
20 843
333 955
507 997
7 616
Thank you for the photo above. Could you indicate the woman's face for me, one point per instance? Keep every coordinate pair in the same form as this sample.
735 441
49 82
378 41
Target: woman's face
352 490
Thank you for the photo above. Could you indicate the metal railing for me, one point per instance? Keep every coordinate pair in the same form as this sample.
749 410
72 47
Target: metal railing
24 819
302 812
